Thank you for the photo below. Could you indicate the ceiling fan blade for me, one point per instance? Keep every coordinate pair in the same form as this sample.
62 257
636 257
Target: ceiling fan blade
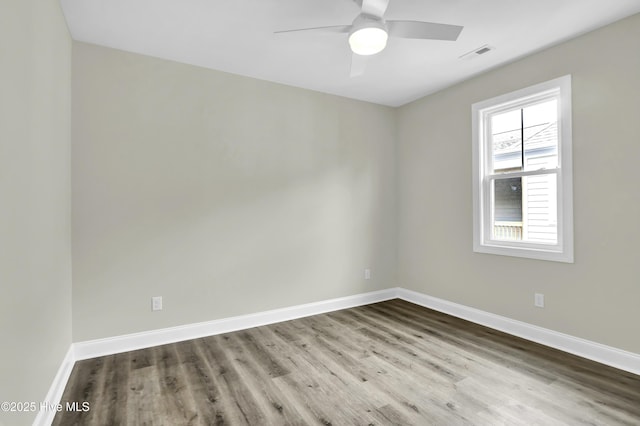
373 7
358 64
336 29
423 30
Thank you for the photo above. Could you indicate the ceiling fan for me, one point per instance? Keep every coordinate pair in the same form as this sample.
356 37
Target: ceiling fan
369 32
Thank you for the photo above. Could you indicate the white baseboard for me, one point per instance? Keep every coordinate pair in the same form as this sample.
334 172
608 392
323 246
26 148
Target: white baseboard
129 342
45 417
607 355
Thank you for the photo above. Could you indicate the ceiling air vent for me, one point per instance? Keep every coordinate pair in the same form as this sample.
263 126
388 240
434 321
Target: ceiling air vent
482 50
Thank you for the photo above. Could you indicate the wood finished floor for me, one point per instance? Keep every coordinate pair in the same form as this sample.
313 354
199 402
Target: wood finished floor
389 363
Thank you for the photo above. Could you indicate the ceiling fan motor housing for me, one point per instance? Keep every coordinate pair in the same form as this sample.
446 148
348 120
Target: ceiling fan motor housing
368 35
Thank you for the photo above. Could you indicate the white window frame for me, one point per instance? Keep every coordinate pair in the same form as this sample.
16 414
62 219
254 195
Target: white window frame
559 88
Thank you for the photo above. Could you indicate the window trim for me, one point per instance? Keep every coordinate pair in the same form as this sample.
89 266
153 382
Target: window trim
563 250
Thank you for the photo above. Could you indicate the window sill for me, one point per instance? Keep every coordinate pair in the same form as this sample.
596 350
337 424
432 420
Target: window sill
524 252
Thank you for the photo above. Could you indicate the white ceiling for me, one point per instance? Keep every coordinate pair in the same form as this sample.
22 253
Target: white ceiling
236 36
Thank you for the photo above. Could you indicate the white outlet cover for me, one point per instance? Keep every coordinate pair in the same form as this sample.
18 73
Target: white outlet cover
367 274
156 303
539 300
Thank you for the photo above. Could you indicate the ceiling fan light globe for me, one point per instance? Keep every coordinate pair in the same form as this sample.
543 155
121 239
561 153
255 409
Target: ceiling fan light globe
368 41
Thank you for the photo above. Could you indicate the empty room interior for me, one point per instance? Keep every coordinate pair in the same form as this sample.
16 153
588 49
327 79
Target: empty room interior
213 214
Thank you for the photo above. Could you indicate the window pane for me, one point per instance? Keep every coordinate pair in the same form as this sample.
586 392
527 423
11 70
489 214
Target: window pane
538 126
525 209
506 142
540 214
507 209
541 135
508 200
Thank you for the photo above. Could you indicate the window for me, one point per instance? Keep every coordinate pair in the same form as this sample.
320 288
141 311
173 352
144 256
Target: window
522 178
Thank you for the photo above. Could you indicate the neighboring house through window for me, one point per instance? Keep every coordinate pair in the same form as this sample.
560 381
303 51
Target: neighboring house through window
522 183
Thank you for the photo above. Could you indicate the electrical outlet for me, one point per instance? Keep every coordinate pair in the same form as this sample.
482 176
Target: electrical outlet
156 303
538 300
367 274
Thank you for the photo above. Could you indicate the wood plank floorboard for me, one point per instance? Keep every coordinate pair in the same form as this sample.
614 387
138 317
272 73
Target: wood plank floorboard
389 363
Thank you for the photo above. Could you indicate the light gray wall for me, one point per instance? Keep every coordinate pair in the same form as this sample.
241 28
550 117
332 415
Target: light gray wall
35 220
596 297
223 194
